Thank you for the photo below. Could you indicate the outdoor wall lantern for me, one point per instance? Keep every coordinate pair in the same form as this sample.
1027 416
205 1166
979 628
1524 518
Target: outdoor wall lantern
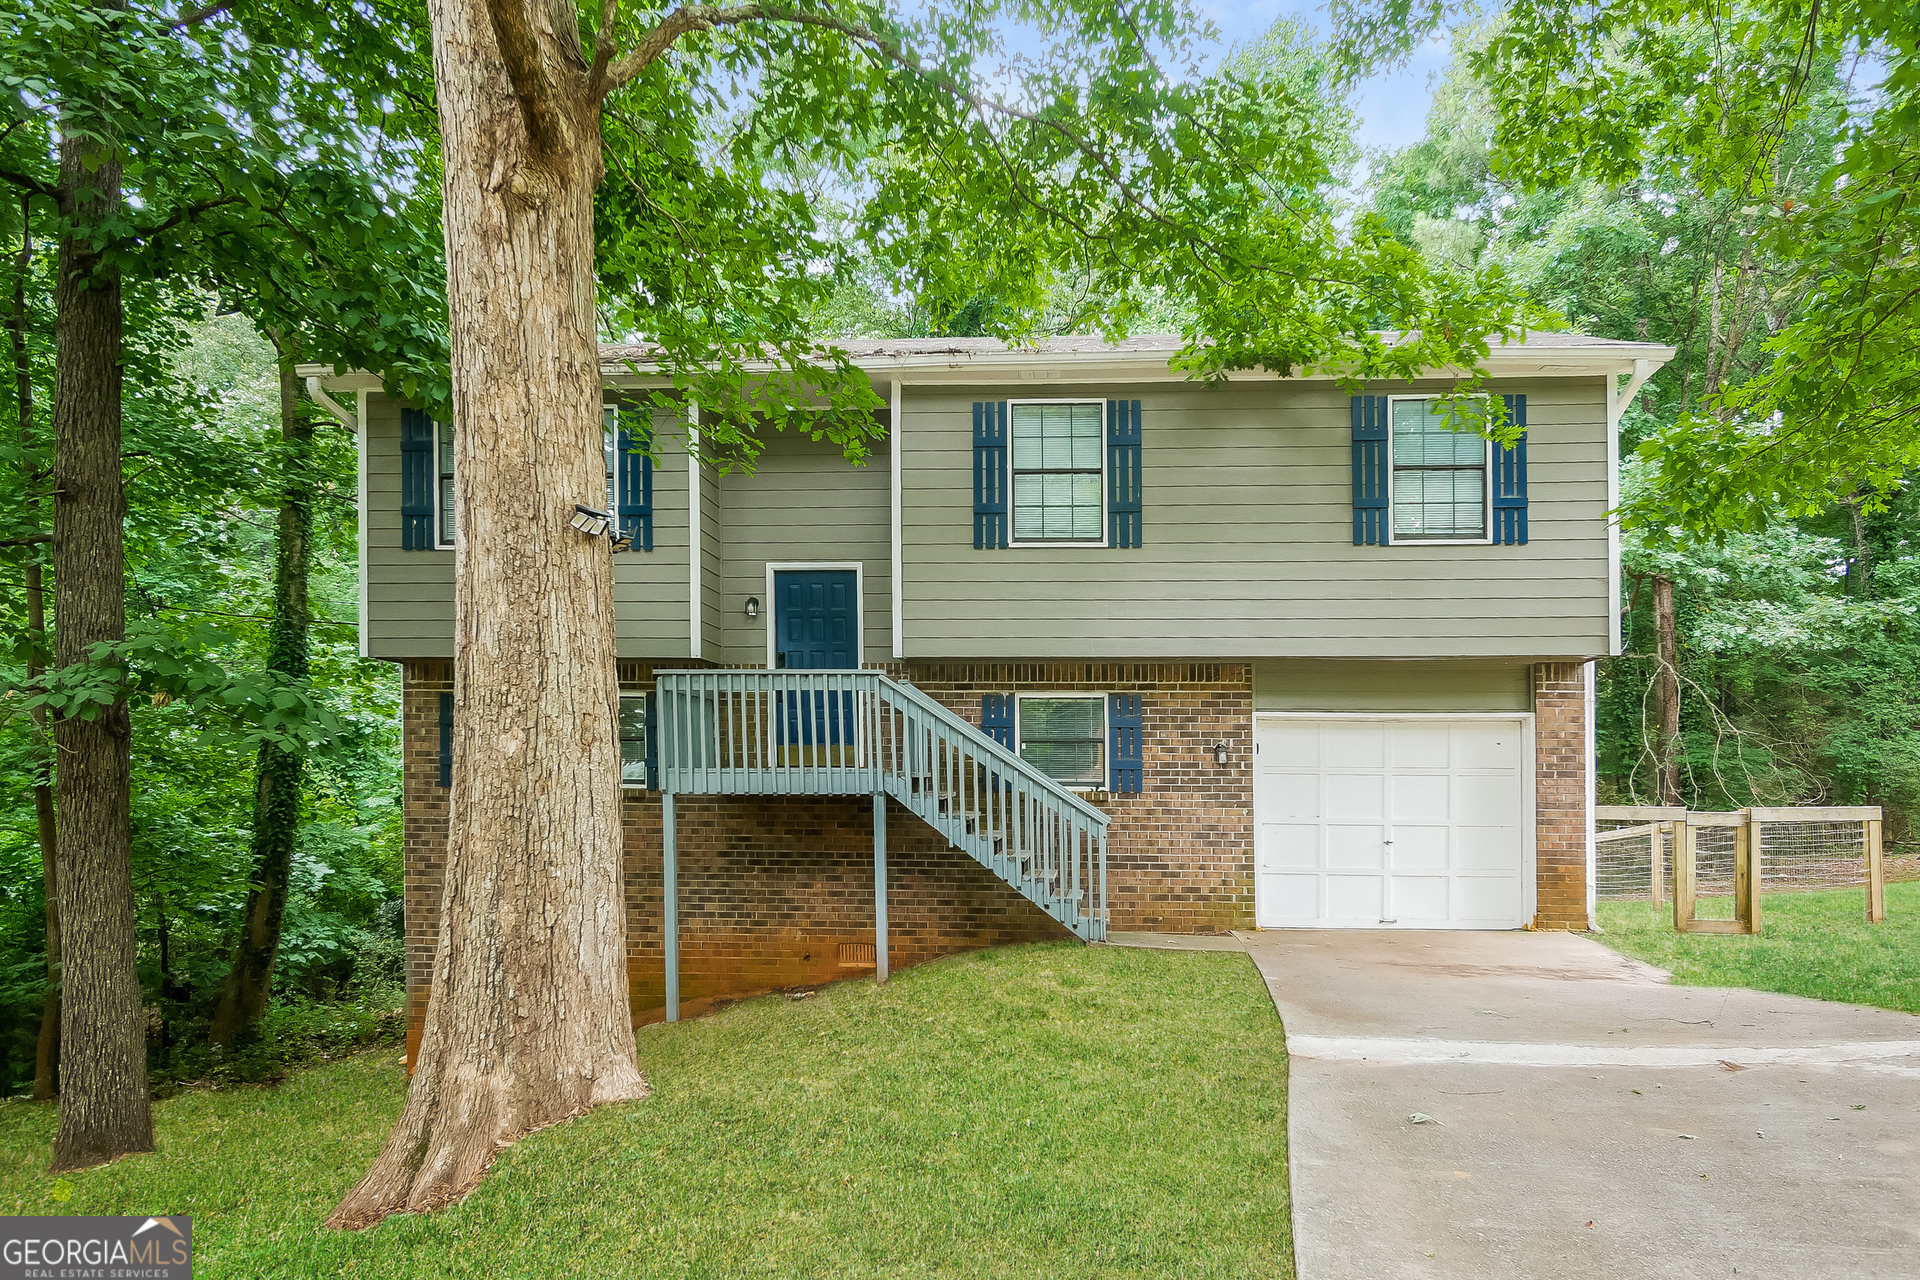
590 521
753 606
1220 753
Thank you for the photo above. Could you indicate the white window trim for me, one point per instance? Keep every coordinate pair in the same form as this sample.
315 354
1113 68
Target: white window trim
770 607
1106 734
625 785
1105 514
1486 493
438 523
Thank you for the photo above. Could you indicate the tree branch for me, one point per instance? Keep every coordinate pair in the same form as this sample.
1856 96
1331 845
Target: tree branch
198 16
27 182
533 88
35 540
682 21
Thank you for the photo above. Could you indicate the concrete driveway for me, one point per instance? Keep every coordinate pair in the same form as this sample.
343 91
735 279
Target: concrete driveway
1581 1118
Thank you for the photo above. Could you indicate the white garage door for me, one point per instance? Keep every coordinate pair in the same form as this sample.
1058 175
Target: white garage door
1417 824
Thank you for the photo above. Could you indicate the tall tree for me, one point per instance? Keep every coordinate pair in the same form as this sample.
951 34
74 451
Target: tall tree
104 1109
19 329
277 771
1086 154
216 123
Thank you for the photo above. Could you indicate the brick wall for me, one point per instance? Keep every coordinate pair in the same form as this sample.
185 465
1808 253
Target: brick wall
1560 794
424 827
1179 853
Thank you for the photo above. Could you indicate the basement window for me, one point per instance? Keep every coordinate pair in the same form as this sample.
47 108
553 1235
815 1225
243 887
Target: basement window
1064 736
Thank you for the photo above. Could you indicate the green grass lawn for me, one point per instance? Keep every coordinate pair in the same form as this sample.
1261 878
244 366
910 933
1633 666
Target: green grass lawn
1810 944
1047 1111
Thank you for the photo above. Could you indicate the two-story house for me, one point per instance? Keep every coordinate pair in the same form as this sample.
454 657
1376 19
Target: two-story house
1263 653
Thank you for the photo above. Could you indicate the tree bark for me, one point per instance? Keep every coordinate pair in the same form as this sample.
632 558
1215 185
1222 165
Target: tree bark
1667 690
46 1061
105 1108
46 1058
277 771
528 1021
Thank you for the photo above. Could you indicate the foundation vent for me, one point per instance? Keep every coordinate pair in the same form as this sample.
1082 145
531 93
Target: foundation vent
856 953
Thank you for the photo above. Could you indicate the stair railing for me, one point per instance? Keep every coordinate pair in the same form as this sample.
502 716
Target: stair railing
760 732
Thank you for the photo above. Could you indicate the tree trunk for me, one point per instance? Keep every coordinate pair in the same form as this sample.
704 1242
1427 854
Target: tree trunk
104 1105
1667 690
46 1062
276 796
46 1058
528 1021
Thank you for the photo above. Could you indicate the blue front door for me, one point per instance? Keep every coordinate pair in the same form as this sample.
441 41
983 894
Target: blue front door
816 619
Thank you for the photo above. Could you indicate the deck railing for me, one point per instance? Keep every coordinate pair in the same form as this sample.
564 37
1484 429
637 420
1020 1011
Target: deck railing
744 732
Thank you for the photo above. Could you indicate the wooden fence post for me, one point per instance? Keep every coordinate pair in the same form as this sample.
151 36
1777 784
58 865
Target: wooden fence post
1746 874
1682 874
1876 885
1658 840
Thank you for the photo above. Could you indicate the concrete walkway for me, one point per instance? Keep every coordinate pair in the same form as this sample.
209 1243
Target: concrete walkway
1516 1104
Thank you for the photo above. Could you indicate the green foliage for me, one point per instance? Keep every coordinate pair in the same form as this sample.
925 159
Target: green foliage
1010 170
1762 116
201 494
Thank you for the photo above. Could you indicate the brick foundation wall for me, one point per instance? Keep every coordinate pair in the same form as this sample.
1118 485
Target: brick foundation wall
1179 853
1560 794
424 828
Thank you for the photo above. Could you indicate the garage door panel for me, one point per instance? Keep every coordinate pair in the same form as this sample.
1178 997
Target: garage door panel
1486 799
1420 797
1488 849
1292 747
1420 848
1420 900
1287 795
1420 822
1486 746
1356 847
1356 795
1486 899
1412 746
1289 847
1293 898
1353 746
1356 899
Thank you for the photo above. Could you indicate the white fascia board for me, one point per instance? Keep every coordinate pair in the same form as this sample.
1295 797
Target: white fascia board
1107 367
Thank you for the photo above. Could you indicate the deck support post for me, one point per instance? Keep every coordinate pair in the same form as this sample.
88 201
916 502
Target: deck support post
879 886
670 905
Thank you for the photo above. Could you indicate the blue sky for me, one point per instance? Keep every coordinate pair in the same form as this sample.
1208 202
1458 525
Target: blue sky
1393 107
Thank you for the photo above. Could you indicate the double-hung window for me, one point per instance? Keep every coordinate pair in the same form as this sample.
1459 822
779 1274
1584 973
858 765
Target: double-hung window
447 516
1439 476
1059 473
633 740
1064 736
610 445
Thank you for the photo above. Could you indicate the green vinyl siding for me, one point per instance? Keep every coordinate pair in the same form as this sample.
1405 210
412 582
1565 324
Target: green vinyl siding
803 502
409 594
1248 487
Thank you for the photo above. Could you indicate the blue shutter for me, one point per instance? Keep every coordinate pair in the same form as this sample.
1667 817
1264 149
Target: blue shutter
996 718
1510 481
446 739
1125 759
989 474
417 474
1370 478
633 474
653 742
1123 473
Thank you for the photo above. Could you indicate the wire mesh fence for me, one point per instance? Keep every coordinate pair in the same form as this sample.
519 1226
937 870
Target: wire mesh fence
1793 850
